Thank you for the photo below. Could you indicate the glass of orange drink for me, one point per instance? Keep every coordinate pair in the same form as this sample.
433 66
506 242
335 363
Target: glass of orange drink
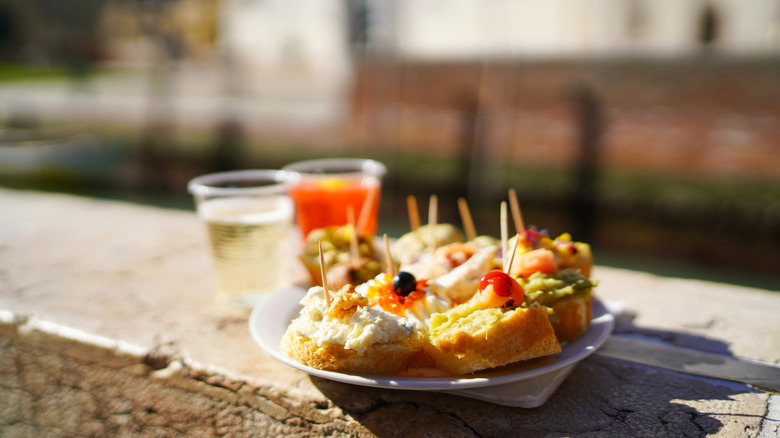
324 191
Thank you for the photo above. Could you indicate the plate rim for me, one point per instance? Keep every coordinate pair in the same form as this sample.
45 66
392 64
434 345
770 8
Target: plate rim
602 325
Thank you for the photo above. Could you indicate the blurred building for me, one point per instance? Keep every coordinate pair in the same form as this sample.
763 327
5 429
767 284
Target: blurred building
405 72
566 28
301 31
318 35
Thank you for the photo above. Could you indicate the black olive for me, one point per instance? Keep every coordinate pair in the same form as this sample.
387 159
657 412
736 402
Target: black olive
404 283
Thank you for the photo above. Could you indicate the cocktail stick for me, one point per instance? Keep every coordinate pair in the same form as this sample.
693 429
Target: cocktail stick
504 232
516 215
468 222
508 263
365 212
433 207
414 214
354 258
388 257
324 276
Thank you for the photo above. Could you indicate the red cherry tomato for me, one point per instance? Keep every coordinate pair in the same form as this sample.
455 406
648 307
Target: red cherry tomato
503 288
502 283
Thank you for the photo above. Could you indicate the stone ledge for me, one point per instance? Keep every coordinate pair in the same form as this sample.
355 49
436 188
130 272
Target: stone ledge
56 380
168 362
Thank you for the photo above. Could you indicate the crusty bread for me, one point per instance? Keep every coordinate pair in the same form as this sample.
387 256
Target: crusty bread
390 358
343 333
467 338
575 314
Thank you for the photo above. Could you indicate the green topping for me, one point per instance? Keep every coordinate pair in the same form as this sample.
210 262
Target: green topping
546 289
336 245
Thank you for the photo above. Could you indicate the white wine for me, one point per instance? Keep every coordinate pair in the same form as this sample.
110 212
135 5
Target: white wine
250 243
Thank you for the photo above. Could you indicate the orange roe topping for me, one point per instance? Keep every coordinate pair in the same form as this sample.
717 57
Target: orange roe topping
381 292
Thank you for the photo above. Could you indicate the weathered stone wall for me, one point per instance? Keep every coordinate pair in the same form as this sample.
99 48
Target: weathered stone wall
57 381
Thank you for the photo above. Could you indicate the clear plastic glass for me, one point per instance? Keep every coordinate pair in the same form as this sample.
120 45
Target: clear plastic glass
249 217
324 190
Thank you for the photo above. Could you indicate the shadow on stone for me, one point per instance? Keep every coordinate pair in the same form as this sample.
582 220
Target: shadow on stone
601 396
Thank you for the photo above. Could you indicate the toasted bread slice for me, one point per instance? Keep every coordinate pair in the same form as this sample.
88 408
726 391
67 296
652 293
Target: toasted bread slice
569 294
390 358
467 338
575 314
345 334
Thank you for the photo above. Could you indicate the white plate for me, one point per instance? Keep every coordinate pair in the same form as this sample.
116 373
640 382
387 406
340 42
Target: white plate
526 384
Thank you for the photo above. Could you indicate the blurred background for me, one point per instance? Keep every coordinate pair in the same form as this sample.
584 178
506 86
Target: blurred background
649 128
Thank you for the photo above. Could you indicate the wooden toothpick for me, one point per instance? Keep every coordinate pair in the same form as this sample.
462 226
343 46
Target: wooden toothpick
504 232
433 207
508 263
365 211
388 257
354 258
414 216
324 277
468 222
516 215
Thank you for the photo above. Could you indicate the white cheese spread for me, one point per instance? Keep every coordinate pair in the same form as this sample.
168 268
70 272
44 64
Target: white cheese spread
365 327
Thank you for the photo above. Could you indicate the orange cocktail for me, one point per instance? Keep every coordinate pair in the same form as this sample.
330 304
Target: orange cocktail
325 190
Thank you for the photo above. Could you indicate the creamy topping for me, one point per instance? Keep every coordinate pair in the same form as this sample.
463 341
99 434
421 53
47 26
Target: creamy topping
356 331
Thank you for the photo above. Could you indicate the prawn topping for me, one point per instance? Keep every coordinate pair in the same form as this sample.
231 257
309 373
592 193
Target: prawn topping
538 260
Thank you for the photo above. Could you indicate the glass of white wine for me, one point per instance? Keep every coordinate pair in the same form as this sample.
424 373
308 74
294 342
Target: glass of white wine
249 217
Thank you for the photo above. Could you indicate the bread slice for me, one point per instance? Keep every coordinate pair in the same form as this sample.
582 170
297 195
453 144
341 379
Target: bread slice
346 335
390 358
467 338
569 294
575 313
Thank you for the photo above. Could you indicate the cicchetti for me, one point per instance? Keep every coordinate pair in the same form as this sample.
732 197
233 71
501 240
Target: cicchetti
444 301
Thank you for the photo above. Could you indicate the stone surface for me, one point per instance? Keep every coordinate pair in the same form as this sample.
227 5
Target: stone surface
108 327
